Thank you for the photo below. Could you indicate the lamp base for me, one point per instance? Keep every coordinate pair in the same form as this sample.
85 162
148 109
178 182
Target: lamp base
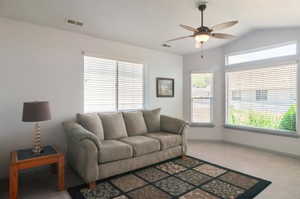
37 147
37 150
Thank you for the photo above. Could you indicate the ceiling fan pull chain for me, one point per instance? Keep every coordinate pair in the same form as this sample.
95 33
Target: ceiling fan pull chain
202 56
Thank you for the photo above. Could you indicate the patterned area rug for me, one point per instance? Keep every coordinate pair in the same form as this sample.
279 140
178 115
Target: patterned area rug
188 178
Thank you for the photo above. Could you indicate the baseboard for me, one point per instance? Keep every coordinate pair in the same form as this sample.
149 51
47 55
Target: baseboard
263 149
204 140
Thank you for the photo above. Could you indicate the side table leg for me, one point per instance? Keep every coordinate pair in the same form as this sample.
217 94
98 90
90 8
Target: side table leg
53 168
13 182
61 173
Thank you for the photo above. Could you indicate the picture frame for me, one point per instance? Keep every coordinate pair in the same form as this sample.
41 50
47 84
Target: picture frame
164 87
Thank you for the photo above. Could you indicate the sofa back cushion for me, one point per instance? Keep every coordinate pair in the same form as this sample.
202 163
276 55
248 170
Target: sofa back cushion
113 125
92 123
152 119
135 123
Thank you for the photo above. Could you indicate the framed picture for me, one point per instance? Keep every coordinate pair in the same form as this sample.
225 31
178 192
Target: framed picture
164 87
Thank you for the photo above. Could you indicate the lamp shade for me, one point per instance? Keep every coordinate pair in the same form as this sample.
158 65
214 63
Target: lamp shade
36 111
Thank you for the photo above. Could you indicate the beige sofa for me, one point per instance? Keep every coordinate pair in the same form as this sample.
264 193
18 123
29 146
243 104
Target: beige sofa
100 145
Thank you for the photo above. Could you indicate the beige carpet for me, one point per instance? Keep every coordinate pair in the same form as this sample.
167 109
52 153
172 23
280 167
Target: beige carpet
284 172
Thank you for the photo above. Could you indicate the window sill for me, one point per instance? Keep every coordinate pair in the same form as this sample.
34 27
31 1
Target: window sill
264 131
207 125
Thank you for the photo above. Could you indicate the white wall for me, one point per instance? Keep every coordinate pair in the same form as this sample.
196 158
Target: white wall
212 62
41 63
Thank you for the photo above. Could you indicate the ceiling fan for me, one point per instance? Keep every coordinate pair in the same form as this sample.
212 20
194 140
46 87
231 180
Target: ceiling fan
204 33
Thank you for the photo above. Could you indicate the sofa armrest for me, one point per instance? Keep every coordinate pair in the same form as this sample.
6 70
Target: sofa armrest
82 151
172 125
77 133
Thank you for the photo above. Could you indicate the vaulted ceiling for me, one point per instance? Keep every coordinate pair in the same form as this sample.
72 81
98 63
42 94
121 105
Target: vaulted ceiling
148 23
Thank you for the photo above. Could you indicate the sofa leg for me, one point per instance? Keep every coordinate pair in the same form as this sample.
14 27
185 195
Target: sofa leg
92 185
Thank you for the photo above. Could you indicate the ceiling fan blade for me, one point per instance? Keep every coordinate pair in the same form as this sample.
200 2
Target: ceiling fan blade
224 25
188 28
178 38
222 36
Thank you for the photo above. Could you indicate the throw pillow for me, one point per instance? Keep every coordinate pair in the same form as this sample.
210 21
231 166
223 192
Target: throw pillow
113 125
135 123
152 119
92 123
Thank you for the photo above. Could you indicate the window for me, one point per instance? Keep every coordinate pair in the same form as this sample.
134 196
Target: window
236 95
266 53
201 97
268 97
261 95
111 85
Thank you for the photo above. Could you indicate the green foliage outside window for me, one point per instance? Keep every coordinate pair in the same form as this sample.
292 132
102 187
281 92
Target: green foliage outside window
201 81
258 119
288 121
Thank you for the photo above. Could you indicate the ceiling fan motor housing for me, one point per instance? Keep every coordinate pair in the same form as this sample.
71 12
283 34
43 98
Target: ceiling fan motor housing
203 29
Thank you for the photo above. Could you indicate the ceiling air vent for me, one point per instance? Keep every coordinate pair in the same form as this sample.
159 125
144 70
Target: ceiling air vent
74 22
166 45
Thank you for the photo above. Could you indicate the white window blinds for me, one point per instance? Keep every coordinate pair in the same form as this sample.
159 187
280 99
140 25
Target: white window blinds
267 97
110 85
201 97
130 86
99 84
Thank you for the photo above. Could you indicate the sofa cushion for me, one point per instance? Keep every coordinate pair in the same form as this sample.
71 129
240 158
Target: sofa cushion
112 150
152 119
167 140
92 123
142 145
135 123
113 125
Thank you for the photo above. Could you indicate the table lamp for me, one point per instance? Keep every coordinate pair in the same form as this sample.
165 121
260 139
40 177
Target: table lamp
36 112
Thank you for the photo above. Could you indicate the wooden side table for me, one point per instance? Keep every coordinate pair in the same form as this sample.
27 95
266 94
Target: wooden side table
24 159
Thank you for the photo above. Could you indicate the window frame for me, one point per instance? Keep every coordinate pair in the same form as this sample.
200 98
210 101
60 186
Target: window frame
96 55
209 124
272 62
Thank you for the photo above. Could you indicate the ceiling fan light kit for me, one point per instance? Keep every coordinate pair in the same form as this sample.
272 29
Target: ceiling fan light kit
201 38
204 33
